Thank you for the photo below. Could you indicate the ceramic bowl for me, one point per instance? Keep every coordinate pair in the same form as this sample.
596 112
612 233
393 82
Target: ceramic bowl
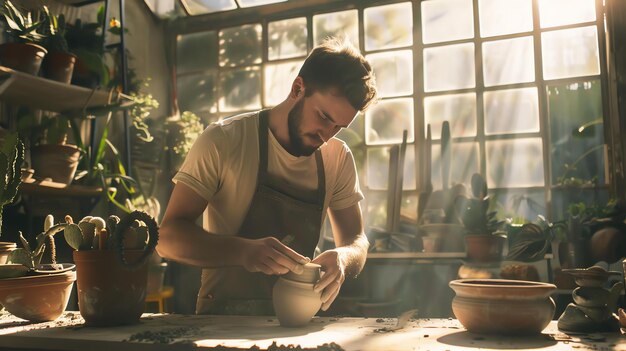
37 298
500 306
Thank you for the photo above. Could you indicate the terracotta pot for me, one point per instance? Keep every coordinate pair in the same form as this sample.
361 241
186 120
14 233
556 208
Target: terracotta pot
23 57
431 243
484 248
37 298
59 66
109 293
295 302
55 161
499 306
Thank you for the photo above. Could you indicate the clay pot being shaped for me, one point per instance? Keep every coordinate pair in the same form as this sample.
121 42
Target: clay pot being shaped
37 298
295 302
109 293
499 306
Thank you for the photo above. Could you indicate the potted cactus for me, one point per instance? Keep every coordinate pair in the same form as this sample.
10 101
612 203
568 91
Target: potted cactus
23 53
11 158
111 259
30 290
484 241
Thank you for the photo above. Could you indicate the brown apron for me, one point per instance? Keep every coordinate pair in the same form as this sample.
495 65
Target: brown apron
277 209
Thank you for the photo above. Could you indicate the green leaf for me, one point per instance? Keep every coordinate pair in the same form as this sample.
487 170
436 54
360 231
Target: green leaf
73 236
21 256
89 231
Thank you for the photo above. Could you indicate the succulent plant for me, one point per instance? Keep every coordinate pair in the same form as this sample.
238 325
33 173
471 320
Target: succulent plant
476 216
136 231
11 158
21 25
32 258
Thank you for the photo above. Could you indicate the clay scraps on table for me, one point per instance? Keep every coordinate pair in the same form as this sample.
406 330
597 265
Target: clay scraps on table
162 336
274 347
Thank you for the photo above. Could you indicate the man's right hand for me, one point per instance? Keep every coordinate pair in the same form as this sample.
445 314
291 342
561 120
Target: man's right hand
270 256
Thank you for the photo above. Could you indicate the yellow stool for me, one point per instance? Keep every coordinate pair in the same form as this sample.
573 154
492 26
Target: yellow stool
160 297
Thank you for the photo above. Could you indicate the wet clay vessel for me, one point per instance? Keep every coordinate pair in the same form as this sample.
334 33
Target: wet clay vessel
500 306
295 302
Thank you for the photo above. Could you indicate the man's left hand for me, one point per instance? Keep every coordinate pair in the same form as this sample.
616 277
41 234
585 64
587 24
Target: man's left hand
332 278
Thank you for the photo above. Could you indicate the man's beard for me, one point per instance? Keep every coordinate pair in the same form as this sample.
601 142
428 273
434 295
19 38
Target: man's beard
293 121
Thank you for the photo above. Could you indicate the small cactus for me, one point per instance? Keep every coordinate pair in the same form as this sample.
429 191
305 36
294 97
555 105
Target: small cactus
136 231
32 258
11 158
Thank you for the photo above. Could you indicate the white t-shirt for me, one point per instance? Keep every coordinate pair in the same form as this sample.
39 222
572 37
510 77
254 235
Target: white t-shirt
223 163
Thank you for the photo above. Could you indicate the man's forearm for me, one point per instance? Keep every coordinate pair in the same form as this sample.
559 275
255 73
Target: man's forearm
353 255
185 242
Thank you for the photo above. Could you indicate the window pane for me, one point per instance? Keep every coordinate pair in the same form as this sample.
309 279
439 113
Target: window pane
500 17
570 53
196 52
337 24
197 92
511 111
508 61
385 121
394 72
560 12
458 109
278 80
378 168
287 38
520 205
465 162
240 89
250 3
577 153
445 20
198 7
388 26
514 163
240 45
449 67
376 215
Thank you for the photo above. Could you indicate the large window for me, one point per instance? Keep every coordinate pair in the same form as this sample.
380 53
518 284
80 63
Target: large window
521 83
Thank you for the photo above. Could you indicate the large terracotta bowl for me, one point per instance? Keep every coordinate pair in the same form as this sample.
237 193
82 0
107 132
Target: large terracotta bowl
499 306
37 298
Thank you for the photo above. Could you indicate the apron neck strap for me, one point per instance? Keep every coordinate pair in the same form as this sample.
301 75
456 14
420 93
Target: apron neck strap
263 130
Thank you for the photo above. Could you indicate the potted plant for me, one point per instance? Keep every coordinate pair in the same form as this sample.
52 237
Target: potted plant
11 158
484 241
31 290
59 62
23 53
112 266
51 155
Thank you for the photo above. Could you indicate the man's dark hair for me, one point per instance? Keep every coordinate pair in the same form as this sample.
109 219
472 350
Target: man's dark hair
336 63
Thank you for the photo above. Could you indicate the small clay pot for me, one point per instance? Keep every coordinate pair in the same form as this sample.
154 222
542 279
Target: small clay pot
37 298
499 306
295 302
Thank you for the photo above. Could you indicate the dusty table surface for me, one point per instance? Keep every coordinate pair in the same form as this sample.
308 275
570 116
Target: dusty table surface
184 332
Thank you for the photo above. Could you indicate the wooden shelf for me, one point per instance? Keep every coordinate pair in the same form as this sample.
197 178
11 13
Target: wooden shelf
44 187
19 88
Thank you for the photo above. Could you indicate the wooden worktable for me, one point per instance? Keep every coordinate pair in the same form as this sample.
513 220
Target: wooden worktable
184 332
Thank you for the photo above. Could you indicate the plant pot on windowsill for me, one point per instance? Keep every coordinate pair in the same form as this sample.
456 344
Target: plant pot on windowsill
112 266
485 248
